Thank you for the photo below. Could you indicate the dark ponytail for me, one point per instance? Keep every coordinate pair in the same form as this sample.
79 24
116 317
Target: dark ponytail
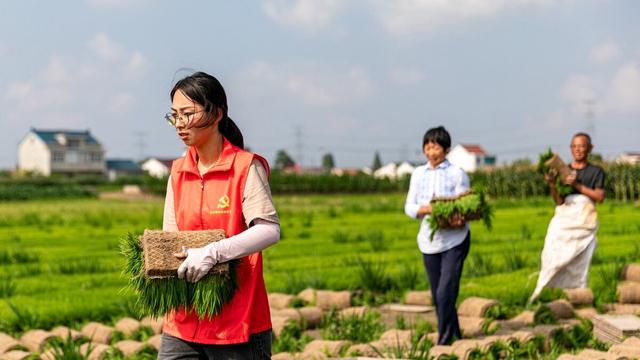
207 91
230 130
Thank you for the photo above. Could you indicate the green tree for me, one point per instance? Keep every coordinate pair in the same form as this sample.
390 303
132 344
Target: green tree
283 160
327 162
377 163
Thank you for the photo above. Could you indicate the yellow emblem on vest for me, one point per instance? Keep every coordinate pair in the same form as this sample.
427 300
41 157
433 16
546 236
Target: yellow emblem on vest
224 202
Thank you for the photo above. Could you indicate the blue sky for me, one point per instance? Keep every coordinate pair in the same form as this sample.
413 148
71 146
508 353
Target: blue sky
350 76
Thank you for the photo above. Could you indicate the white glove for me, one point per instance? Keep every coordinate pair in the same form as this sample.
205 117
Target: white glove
197 263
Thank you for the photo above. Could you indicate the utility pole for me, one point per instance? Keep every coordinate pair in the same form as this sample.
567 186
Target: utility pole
140 143
299 146
590 116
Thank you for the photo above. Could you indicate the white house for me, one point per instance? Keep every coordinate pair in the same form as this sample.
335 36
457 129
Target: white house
157 167
470 157
122 167
393 171
67 152
629 157
404 169
386 171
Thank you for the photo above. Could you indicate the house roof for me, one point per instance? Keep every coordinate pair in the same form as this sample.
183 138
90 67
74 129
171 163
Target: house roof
122 164
474 148
49 136
631 153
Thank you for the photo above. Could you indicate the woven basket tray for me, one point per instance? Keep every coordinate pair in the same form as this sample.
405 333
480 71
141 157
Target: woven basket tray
159 246
449 222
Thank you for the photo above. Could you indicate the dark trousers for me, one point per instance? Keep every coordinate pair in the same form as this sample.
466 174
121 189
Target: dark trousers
257 348
444 270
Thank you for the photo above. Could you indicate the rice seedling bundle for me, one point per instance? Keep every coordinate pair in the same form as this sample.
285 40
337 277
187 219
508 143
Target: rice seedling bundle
550 161
152 271
453 212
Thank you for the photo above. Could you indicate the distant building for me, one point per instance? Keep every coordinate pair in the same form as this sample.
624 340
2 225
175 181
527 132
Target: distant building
345 171
157 167
394 171
122 167
66 152
404 169
470 157
629 157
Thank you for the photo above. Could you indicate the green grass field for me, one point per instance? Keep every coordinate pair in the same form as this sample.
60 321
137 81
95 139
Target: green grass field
60 261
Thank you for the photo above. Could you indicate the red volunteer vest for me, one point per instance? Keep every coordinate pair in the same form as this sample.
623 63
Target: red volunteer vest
214 201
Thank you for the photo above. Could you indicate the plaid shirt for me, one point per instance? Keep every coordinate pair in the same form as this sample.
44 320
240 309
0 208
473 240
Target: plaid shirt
427 182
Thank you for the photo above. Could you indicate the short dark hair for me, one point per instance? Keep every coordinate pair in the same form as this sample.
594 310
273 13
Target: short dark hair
438 135
586 136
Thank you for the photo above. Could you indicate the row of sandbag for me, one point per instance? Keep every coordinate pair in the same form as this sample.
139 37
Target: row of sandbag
99 336
629 287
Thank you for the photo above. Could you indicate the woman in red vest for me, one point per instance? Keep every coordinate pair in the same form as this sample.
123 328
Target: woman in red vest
218 185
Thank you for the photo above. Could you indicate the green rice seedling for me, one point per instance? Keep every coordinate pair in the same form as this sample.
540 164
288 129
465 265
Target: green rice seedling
605 281
401 322
23 319
27 270
18 256
418 349
543 316
408 277
116 337
30 219
498 312
297 303
525 232
634 254
340 237
479 265
422 328
291 339
144 333
373 276
7 287
15 238
24 257
514 259
304 234
128 306
80 266
307 219
376 240
158 296
299 281
563 189
332 212
498 350
5 257
550 294
68 349
487 327
357 328
468 205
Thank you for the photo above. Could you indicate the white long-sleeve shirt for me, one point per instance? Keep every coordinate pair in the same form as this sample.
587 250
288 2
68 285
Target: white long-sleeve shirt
258 211
426 183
